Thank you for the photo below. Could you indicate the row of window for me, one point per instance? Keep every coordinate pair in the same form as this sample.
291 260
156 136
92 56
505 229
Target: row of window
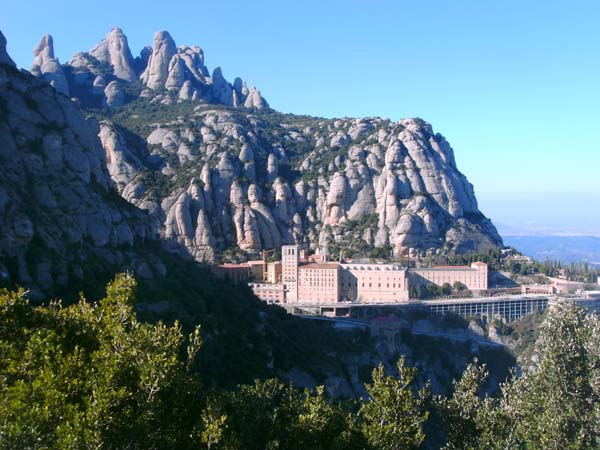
378 285
320 284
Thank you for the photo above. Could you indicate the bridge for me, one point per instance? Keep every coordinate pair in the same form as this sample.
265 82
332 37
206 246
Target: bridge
510 307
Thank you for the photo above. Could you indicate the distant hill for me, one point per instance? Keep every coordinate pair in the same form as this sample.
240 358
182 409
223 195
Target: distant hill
564 248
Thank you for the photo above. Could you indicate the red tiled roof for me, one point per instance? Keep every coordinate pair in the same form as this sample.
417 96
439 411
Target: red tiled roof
479 263
451 267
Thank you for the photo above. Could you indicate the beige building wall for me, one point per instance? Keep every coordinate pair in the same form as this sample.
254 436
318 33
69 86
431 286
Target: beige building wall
474 277
537 289
270 293
373 283
274 272
290 260
319 283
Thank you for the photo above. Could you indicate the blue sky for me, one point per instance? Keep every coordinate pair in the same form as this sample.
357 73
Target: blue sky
513 85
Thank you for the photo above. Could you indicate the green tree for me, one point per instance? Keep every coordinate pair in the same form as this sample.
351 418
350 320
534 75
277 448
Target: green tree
269 414
557 402
554 405
92 376
459 286
446 289
393 416
473 421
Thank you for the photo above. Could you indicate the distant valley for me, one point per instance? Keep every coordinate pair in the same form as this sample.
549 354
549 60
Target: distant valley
562 248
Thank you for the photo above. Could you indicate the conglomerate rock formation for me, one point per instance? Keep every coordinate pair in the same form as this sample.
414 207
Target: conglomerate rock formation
47 67
221 178
162 73
217 169
84 197
58 207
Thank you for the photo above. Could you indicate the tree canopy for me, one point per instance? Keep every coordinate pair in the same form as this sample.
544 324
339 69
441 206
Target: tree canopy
91 375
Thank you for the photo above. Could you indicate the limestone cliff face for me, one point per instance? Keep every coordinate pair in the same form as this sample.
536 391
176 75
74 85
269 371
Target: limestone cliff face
58 209
257 181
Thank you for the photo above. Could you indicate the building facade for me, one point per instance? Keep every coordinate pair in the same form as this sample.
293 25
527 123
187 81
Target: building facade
290 260
474 277
319 283
370 283
389 327
297 280
274 272
268 292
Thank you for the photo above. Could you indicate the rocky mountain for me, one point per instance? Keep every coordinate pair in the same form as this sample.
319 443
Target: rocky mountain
114 51
47 67
4 56
65 229
219 171
58 209
108 75
82 198
218 178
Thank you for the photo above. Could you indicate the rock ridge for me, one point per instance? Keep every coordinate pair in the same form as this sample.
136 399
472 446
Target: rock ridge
167 74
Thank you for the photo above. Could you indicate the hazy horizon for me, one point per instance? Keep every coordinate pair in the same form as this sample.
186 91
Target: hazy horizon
515 94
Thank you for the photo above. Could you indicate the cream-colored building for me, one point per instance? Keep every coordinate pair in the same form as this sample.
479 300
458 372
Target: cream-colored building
474 277
274 272
327 283
290 260
332 282
370 283
537 289
268 292
319 283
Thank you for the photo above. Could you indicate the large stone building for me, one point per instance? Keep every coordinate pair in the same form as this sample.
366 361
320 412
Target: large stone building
305 281
373 283
327 282
319 283
290 260
274 272
268 292
474 278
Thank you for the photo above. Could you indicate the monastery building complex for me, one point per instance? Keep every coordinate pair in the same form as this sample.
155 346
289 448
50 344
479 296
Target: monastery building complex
312 280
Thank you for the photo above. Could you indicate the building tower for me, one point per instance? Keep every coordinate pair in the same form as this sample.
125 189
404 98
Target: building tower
482 274
290 260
